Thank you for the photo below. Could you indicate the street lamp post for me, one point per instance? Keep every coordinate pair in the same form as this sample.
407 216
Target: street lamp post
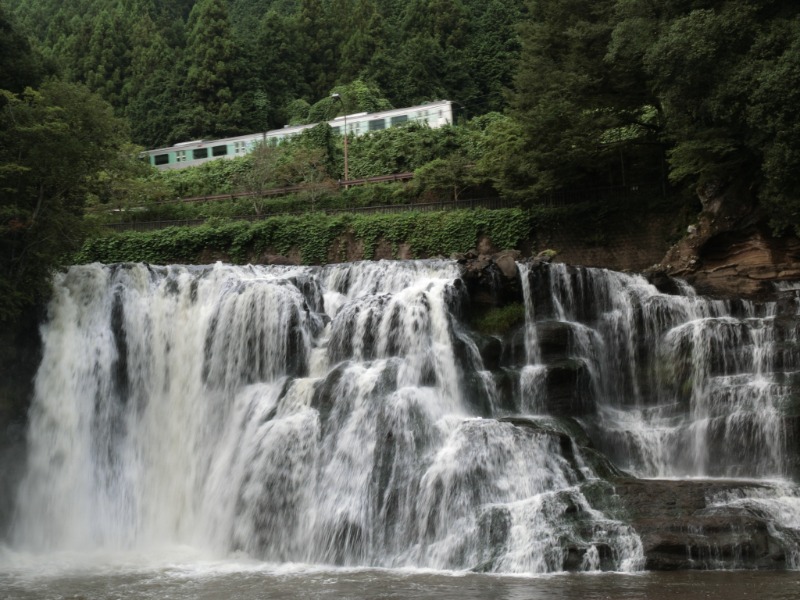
346 174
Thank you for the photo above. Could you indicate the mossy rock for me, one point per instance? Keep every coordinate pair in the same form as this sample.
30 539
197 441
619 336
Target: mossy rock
499 320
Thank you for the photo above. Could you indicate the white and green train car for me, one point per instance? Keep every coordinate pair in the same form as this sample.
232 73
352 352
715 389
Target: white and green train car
187 154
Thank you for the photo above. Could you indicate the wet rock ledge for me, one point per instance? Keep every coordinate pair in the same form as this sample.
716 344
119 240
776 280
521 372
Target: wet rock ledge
693 524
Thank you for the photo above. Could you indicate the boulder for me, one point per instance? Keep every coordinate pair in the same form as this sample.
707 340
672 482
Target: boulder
490 284
554 338
507 263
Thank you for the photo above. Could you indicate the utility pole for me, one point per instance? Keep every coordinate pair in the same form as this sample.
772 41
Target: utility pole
346 174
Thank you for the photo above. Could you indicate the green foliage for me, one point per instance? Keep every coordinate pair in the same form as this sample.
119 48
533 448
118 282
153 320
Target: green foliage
151 85
198 68
210 178
20 65
441 233
314 159
567 99
620 89
491 55
401 149
210 108
449 176
604 92
500 320
297 112
58 146
427 234
279 58
357 96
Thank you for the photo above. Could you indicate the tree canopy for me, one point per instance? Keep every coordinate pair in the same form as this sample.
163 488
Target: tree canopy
606 89
563 94
207 68
55 145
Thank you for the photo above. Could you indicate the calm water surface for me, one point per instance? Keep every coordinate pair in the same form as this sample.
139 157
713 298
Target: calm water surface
62 579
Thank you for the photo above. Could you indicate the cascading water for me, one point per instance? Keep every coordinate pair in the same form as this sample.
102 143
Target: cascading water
681 385
346 415
678 386
333 415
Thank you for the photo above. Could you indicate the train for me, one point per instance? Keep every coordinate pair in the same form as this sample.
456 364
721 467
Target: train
189 154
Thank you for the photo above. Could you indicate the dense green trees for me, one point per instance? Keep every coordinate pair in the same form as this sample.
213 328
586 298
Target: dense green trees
20 66
58 145
205 68
608 90
569 94
209 107
580 112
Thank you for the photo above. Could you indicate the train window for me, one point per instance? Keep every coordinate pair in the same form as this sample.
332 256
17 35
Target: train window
161 159
239 147
221 150
399 120
180 156
200 153
377 124
337 130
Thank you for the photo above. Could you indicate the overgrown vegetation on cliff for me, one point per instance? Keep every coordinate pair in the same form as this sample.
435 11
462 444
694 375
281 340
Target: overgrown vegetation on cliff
313 235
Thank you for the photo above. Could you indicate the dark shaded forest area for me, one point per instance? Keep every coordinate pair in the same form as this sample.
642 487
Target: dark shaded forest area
185 69
566 94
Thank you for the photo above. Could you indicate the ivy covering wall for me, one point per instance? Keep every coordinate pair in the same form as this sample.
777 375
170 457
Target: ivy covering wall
313 235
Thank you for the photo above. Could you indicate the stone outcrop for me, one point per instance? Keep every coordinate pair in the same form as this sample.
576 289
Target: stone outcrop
730 251
492 279
681 528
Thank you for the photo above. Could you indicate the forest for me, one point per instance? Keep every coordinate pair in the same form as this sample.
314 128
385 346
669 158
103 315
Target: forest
556 97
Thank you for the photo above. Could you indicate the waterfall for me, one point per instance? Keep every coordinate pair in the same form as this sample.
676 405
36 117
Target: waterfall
345 415
679 385
337 415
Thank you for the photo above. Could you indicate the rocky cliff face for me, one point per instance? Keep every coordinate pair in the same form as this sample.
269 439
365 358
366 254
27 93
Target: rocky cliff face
730 251
685 525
